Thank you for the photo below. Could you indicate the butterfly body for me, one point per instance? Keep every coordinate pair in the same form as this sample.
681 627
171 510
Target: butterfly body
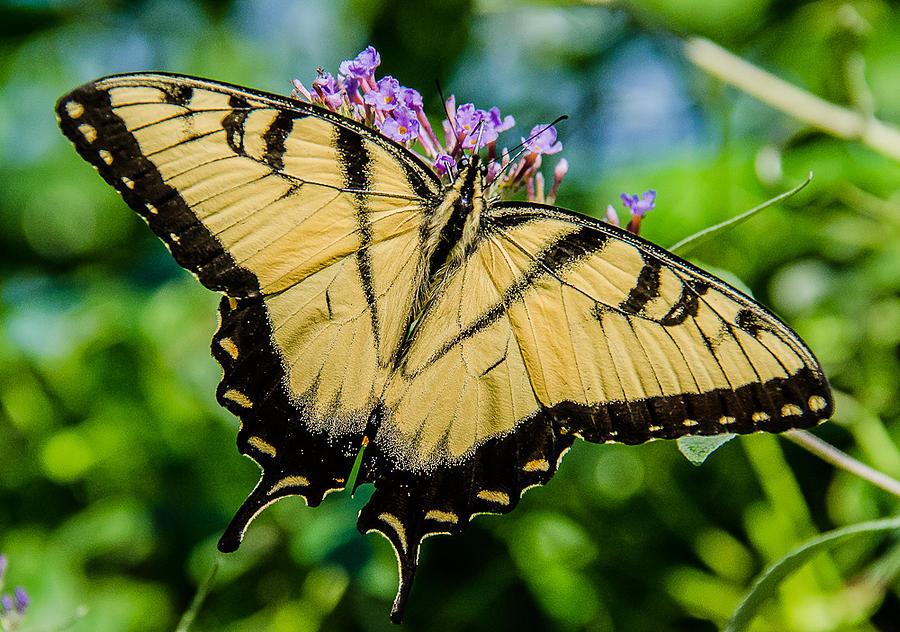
465 342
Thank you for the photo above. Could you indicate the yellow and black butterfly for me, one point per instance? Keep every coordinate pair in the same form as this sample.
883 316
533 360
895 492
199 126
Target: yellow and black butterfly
467 343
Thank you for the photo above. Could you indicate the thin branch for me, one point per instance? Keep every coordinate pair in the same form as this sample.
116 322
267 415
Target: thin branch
843 460
689 243
802 105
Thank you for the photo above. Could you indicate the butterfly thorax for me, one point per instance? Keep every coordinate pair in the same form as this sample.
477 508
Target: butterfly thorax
452 229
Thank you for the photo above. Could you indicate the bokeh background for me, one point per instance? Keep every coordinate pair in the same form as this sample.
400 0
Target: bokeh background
118 471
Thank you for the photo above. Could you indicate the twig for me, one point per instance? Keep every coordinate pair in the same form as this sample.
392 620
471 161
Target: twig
843 460
802 105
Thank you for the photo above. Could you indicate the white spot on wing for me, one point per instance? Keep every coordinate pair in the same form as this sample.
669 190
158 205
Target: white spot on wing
289 481
817 403
442 516
74 109
263 446
88 131
537 465
791 410
230 348
490 495
238 398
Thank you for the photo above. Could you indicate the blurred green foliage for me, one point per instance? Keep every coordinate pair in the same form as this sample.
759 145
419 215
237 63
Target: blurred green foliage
118 470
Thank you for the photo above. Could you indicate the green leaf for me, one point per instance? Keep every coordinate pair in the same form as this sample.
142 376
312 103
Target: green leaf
767 584
689 243
697 449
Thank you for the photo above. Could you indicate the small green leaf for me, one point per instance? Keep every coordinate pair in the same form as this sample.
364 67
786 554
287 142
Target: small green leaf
767 584
697 449
689 243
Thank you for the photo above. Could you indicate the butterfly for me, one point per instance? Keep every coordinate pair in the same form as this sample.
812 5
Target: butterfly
464 342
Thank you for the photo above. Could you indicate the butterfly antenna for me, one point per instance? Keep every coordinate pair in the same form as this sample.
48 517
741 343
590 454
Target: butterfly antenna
450 116
480 127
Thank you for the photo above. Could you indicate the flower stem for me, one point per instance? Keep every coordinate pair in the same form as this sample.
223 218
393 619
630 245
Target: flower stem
187 619
843 460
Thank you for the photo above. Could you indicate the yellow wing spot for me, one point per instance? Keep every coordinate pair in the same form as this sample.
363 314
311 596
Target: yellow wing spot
175 238
229 346
501 498
238 398
537 465
655 428
760 417
151 208
442 516
791 410
690 423
289 481
614 433
128 182
88 131
232 303
263 446
74 109
726 421
817 403
394 522
105 156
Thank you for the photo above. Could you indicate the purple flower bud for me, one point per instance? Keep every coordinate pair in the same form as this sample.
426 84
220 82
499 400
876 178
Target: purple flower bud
4 562
386 96
542 140
474 126
467 117
300 89
411 99
500 125
6 602
326 87
351 85
22 600
363 66
401 126
559 172
611 215
638 205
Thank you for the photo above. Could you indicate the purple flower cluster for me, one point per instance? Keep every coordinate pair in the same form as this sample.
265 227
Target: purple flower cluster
12 607
396 111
